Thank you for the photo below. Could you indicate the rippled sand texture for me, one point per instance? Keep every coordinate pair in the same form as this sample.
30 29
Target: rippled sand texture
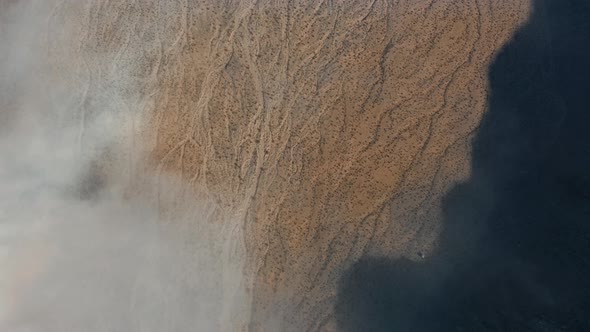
326 130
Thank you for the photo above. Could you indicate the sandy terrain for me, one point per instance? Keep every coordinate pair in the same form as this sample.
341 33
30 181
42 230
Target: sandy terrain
324 131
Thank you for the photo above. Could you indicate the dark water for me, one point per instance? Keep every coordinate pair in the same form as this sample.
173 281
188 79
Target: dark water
515 253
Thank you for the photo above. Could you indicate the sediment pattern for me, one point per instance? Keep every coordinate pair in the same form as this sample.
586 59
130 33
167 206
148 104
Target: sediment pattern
324 130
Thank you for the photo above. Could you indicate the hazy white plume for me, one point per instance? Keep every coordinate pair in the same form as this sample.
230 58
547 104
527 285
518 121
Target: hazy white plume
109 261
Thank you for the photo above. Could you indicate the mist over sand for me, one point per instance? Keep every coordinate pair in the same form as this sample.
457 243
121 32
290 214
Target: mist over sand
81 248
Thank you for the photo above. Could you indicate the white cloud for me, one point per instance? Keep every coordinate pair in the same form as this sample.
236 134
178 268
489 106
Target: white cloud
109 263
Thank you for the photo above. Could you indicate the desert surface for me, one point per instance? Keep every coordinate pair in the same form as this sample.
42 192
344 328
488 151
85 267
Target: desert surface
283 141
